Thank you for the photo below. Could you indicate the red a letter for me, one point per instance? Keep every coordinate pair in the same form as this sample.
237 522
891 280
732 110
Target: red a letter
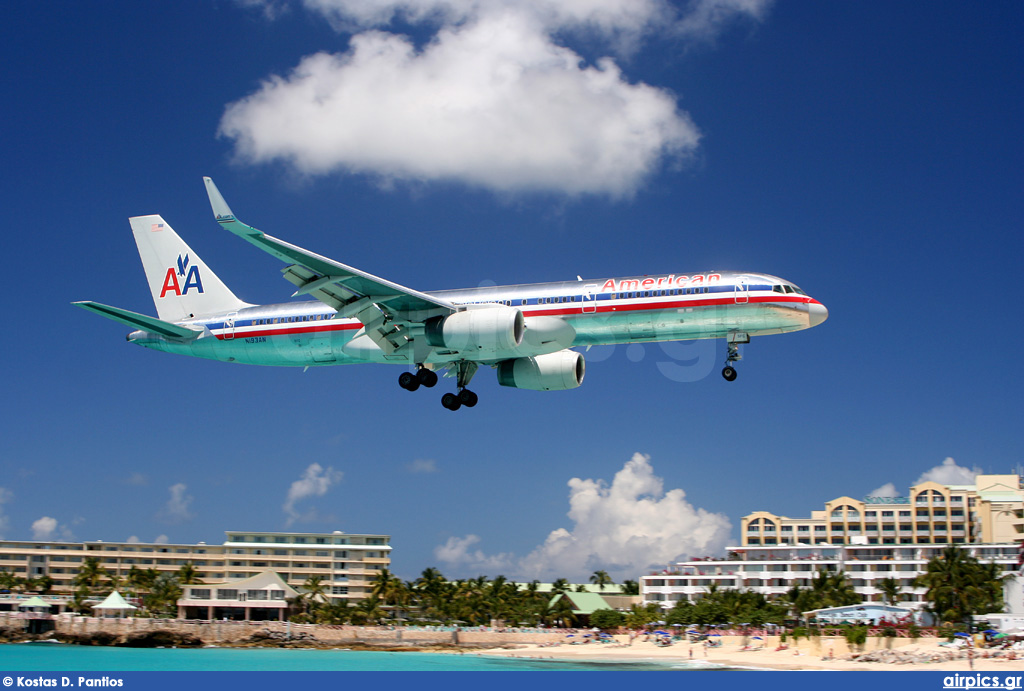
171 283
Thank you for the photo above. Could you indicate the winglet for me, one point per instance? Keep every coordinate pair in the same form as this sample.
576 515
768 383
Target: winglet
223 213
220 207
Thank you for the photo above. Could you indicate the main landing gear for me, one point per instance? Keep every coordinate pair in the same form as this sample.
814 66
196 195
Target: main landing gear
422 377
733 341
465 397
452 401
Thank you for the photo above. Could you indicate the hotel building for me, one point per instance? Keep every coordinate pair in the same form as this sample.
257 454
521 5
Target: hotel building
347 563
869 540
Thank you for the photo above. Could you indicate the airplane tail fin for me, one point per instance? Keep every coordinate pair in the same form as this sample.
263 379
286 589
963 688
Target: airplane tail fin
183 286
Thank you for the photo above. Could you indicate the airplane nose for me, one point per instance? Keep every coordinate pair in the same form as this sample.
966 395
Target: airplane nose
816 312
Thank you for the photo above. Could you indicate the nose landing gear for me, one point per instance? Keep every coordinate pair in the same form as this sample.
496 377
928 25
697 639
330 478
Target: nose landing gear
733 341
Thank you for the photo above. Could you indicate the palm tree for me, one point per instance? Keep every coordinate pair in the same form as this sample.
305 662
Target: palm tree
164 596
601 579
8 581
560 586
630 587
91 573
188 575
891 589
314 592
42 584
391 591
368 611
140 581
560 612
958 585
337 611
430 589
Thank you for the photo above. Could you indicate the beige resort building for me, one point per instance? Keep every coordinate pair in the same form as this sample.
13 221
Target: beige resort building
348 563
868 539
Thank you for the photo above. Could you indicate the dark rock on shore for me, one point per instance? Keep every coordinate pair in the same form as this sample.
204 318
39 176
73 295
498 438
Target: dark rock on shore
161 639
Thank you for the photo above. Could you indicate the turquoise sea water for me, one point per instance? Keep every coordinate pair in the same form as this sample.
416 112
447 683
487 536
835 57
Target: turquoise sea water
56 657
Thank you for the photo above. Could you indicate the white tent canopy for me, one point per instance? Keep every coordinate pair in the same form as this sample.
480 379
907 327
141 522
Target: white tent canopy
114 602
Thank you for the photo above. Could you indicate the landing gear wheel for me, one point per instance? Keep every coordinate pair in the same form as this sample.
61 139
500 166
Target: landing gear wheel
451 401
729 373
408 381
426 377
467 398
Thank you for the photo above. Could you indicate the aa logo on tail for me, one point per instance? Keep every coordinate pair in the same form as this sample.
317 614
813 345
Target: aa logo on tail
189 273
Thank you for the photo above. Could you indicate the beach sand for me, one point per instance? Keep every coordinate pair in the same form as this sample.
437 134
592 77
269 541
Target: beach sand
732 655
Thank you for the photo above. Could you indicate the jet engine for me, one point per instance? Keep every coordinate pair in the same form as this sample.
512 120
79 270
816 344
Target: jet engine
552 372
481 330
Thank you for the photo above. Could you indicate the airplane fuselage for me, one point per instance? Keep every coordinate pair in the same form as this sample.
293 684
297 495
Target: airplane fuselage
663 307
525 332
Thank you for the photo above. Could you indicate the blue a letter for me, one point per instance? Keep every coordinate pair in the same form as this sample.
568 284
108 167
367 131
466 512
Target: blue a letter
192 281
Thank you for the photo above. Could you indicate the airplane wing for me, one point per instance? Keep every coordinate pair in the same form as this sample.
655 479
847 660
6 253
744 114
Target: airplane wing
383 307
140 321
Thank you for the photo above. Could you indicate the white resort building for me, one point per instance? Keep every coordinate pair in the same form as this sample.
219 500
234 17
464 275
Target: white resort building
347 563
868 539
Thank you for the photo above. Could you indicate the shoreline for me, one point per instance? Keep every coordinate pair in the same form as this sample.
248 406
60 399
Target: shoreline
734 656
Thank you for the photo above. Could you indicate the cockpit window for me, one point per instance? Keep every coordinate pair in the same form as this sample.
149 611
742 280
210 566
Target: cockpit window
778 289
789 289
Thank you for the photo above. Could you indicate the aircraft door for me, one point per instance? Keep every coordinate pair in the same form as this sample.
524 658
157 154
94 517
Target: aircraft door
590 298
741 294
229 326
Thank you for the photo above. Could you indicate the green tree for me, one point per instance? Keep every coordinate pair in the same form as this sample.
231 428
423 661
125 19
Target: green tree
188 575
630 587
601 579
607 619
314 594
560 612
891 589
42 584
162 599
959 586
642 615
8 581
91 573
560 585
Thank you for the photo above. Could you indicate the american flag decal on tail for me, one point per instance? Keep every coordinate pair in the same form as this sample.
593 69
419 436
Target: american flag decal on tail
156 227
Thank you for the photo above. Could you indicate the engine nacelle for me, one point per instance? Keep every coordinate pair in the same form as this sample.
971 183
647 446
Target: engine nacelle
552 372
480 330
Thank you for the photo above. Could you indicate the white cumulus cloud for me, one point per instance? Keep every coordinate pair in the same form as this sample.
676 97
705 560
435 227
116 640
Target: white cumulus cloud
949 473
622 528
44 528
315 482
176 510
423 466
492 100
888 490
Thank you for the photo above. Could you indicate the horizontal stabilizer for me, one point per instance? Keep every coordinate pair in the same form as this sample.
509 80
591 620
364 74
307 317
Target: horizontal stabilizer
140 321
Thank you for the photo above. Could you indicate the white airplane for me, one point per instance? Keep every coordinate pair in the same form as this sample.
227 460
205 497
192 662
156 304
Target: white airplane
525 332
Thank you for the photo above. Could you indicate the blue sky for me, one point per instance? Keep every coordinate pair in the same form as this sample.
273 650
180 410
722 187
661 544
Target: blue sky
868 152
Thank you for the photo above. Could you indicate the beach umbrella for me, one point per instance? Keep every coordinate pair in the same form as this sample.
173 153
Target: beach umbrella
990 631
961 635
757 638
659 632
